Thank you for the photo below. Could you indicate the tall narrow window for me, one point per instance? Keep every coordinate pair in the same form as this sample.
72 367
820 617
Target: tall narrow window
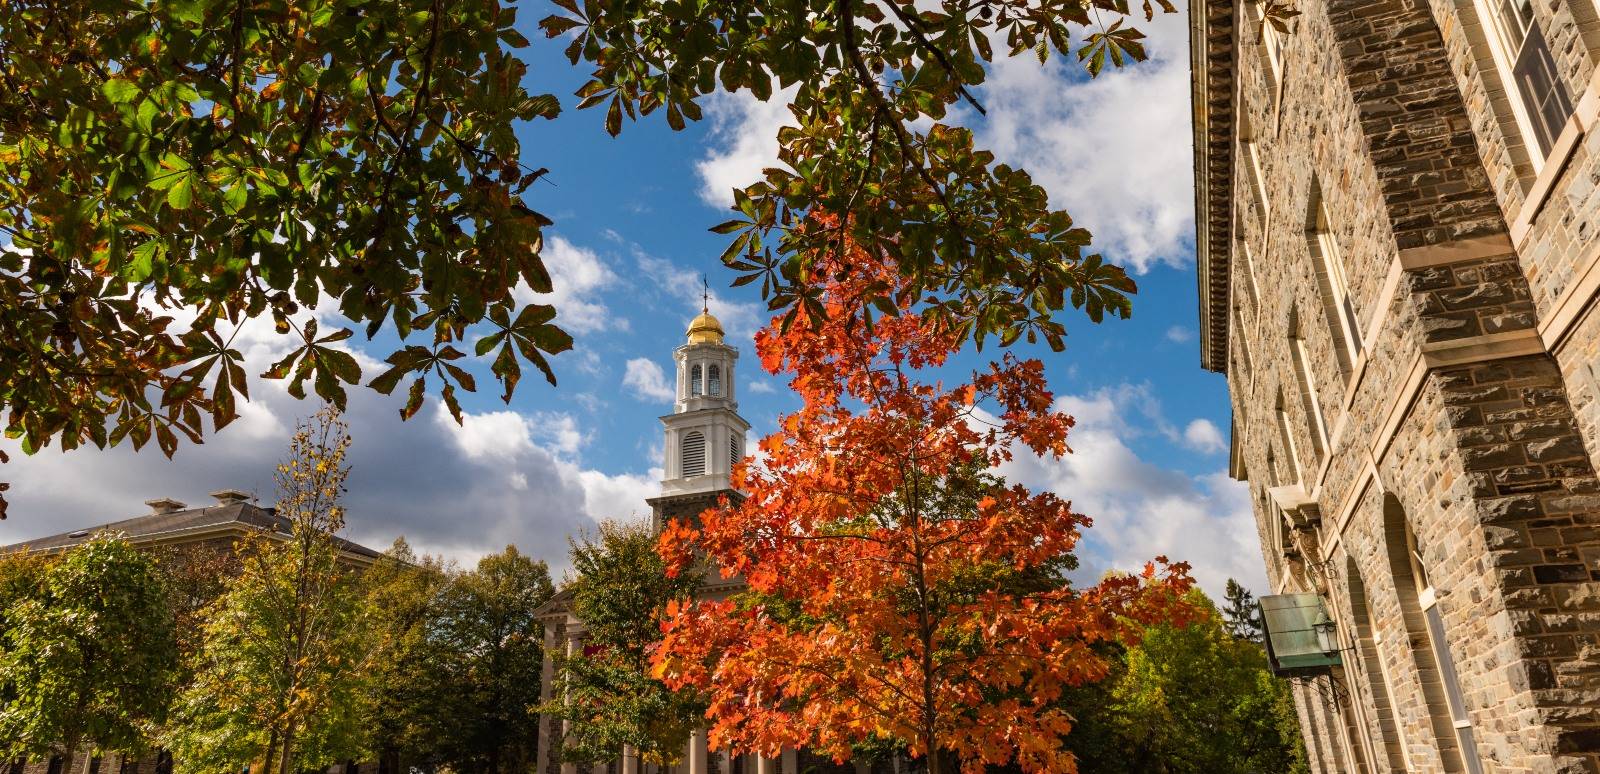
1415 643
735 449
1286 437
1523 56
713 380
1334 287
1252 161
1310 402
692 460
1251 286
1244 349
694 381
1271 40
1428 600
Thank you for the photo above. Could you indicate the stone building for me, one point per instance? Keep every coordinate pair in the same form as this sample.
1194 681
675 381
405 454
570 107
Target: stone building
1397 206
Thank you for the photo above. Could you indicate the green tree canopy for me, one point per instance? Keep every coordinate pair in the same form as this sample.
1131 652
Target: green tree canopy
213 161
1188 700
409 695
87 654
608 698
489 652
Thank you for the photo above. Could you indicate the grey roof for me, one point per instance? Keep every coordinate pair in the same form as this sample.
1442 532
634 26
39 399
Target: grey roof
174 525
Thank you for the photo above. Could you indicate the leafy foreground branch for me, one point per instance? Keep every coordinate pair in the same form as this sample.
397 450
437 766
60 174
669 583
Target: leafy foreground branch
170 169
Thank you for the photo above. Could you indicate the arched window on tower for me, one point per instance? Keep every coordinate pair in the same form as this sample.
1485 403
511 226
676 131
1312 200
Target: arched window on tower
713 380
692 460
694 381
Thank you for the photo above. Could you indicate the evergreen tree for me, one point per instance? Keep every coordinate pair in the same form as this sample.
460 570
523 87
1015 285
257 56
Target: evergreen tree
1240 614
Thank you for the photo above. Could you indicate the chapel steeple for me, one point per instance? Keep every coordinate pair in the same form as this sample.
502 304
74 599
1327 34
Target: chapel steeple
704 433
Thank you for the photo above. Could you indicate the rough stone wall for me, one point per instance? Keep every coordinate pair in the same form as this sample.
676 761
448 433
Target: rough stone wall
1386 110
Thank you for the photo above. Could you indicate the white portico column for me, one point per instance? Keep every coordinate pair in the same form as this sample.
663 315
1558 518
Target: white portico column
697 756
572 647
630 760
789 763
765 765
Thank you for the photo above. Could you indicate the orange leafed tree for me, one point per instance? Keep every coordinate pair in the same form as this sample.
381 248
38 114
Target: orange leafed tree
898 591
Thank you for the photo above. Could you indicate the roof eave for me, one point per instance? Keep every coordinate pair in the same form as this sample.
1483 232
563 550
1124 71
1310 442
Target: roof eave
1211 80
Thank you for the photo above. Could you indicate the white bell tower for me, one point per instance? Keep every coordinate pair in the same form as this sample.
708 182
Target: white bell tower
705 434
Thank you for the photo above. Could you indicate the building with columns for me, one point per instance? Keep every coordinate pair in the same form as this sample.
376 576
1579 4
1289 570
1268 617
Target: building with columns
1397 205
704 438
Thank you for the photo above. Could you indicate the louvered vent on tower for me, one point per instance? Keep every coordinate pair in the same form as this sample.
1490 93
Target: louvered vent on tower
694 454
734 452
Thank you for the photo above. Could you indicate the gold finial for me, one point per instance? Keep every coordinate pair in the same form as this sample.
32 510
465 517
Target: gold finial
705 329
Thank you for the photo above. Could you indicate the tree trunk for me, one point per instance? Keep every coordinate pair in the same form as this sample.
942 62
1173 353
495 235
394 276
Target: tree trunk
288 748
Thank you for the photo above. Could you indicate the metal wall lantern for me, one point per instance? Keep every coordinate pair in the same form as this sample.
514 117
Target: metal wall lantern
1301 637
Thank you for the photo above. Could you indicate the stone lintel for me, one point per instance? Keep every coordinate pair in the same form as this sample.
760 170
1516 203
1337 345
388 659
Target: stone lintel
1456 251
1478 349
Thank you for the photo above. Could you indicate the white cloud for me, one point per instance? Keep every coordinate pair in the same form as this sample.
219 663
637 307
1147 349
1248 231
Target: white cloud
760 387
647 380
502 477
1113 151
1204 437
1141 509
1180 334
488 436
577 275
744 137
739 318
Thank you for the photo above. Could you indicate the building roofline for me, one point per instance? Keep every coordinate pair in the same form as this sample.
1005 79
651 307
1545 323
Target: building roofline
190 533
1211 75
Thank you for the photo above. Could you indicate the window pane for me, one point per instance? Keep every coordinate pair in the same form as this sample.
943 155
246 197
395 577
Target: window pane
1543 95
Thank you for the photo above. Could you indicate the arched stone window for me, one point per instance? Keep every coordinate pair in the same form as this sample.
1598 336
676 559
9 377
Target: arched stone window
713 380
1425 639
1367 668
693 453
694 381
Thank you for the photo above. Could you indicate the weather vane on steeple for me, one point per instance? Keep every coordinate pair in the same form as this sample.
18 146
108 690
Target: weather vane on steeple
705 294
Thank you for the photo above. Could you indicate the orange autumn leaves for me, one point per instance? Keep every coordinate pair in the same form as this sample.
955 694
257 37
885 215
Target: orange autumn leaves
897 589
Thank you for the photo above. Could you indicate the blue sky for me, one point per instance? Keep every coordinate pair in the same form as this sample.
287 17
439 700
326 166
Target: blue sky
627 251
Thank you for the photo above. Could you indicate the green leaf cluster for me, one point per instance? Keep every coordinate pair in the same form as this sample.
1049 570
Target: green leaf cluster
212 161
455 677
1187 700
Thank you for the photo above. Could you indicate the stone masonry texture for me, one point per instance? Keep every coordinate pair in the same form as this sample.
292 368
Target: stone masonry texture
1438 488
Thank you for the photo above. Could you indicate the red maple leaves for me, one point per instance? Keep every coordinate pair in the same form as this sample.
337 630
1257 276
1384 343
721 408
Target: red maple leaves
898 590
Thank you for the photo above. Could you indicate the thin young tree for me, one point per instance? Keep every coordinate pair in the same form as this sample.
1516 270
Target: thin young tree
279 671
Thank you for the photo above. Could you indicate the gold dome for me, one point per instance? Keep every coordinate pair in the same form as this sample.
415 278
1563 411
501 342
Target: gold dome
705 330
